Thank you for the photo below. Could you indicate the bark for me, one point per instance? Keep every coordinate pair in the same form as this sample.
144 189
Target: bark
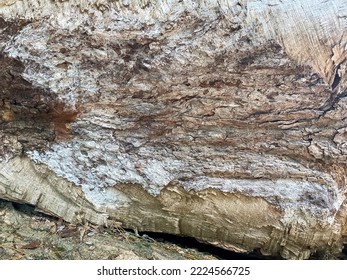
220 120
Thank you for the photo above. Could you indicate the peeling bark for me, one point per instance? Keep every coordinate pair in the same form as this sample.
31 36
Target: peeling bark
220 120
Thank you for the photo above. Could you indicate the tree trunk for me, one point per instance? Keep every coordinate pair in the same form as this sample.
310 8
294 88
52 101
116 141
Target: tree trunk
220 120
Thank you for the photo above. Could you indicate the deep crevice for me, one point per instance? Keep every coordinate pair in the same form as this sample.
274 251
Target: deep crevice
192 243
337 79
331 103
27 209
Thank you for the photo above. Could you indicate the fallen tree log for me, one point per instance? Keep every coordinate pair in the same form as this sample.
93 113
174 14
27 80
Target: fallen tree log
220 120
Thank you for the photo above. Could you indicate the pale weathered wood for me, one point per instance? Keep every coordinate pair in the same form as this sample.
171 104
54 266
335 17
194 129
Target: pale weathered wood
220 120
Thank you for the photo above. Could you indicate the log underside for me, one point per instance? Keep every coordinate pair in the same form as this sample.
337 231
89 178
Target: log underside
224 122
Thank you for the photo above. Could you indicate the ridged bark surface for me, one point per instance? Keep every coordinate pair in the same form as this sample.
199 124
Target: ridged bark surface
220 120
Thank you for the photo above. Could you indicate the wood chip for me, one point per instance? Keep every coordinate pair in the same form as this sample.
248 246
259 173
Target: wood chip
32 245
69 232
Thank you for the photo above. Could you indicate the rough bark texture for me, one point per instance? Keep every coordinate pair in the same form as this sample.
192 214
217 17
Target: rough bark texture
220 120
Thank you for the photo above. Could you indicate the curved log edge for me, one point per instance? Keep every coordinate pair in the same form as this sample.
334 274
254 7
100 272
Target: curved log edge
220 120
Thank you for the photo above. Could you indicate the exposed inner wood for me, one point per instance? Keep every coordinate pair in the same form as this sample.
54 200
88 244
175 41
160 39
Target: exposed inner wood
220 120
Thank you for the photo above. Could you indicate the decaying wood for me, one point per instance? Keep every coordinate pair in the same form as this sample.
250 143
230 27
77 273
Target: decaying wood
27 235
220 120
